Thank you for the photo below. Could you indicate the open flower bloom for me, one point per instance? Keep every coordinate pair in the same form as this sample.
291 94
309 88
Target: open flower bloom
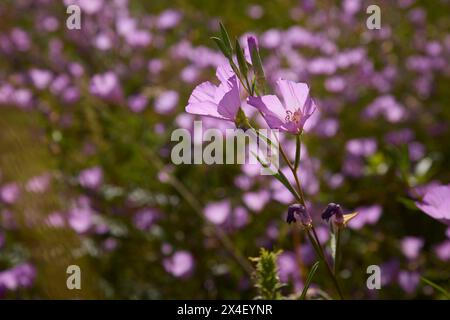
221 101
436 203
291 115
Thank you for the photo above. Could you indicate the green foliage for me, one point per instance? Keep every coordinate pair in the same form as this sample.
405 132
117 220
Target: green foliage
311 274
444 292
266 277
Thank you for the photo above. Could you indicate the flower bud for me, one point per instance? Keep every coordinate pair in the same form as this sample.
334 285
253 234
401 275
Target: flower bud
251 42
335 210
301 213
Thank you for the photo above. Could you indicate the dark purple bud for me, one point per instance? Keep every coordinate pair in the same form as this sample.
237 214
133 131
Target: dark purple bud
300 211
290 216
252 45
333 209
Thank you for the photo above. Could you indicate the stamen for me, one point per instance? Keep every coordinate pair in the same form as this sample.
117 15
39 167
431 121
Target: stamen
293 117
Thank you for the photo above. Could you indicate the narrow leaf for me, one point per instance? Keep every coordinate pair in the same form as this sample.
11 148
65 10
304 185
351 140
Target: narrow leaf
436 286
222 47
408 203
278 175
225 37
241 60
282 178
257 66
309 279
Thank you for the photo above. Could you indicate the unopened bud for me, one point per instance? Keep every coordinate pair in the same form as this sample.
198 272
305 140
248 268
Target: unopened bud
298 211
334 210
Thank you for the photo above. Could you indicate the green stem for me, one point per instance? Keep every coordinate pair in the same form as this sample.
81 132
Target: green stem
245 83
319 250
300 197
294 172
337 259
298 147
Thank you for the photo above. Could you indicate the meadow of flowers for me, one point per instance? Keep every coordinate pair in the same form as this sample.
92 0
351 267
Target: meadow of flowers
87 179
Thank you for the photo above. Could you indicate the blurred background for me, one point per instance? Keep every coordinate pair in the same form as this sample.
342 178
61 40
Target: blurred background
85 123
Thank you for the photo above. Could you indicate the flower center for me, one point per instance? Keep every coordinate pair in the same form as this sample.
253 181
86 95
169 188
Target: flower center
293 116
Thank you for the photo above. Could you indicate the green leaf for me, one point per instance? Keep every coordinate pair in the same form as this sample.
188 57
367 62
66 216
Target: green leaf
225 38
241 120
436 286
259 70
309 279
222 47
408 203
241 60
280 176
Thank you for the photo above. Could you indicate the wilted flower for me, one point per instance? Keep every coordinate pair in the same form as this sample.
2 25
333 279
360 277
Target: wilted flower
333 209
292 114
299 211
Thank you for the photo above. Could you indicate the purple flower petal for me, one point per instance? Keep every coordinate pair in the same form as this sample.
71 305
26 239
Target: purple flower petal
218 212
436 203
